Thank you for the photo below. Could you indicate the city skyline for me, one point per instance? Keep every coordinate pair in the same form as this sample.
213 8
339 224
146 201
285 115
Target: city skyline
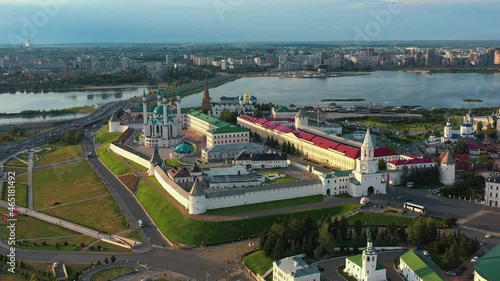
151 21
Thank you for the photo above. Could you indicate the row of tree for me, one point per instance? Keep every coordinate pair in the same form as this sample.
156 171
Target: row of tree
272 142
289 148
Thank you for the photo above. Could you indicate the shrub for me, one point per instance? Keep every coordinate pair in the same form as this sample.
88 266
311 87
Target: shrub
99 247
82 244
44 243
65 243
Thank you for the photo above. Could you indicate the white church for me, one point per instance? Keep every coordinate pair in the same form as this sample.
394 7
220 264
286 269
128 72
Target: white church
161 127
365 267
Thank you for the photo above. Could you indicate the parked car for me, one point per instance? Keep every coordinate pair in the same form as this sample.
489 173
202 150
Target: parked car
451 273
481 243
141 223
320 268
471 276
425 253
487 235
474 259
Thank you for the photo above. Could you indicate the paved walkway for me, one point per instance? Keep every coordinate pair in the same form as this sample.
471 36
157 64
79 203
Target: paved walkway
58 164
471 217
72 226
30 181
142 271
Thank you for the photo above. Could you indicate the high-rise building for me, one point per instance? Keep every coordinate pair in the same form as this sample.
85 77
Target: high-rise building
168 60
497 56
429 58
490 56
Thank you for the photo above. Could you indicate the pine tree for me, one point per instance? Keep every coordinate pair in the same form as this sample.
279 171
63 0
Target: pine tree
113 259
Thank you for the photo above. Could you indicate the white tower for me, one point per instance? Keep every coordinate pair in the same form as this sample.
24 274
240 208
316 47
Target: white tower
367 162
145 114
447 169
197 199
165 112
114 124
447 130
158 97
178 105
368 261
301 119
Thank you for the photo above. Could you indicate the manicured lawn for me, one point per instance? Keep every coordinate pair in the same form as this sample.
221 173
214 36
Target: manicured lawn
60 154
100 214
174 163
265 206
16 162
258 262
133 234
65 184
102 136
285 179
382 219
182 229
343 195
21 194
109 274
113 162
138 167
379 219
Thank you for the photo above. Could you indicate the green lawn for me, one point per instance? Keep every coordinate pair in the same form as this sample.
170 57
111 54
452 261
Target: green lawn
265 206
138 167
174 163
65 184
383 219
258 262
21 194
16 162
60 154
113 162
182 229
100 214
285 179
108 274
102 136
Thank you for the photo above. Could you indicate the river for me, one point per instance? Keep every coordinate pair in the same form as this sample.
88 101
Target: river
381 87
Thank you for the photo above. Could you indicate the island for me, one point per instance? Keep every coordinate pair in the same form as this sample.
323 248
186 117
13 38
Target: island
472 100
337 100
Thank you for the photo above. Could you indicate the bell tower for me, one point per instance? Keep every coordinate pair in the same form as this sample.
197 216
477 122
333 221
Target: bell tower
367 162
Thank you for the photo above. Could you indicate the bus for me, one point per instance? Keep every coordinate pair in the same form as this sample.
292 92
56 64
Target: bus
415 208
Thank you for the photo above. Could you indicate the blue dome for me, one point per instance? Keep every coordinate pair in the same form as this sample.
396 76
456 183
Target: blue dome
253 98
466 125
241 98
184 148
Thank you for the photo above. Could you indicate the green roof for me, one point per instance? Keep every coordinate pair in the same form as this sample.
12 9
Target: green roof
420 266
209 119
354 181
229 129
488 265
355 259
284 109
345 173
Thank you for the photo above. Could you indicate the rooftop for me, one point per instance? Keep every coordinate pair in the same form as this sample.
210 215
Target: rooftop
209 119
488 265
229 129
262 156
420 267
234 147
297 267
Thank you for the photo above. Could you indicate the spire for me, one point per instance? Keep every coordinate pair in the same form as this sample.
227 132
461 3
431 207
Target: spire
197 189
447 158
156 158
368 139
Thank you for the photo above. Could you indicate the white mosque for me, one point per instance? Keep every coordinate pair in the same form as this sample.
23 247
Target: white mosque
161 127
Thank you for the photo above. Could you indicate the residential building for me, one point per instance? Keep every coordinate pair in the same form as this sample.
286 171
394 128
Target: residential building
227 152
492 191
262 160
364 267
486 267
415 268
294 269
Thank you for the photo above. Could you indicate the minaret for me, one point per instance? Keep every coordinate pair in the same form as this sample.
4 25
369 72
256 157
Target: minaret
144 108
367 150
158 97
206 105
178 105
447 130
368 260
164 110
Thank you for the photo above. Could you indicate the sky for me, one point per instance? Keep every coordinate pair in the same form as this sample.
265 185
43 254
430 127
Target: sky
180 21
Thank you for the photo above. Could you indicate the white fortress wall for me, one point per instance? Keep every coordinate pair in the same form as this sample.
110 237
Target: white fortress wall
253 195
130 156
171 187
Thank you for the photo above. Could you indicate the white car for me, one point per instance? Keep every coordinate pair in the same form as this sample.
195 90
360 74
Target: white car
487 235
141 223
56 264
474 259
425 253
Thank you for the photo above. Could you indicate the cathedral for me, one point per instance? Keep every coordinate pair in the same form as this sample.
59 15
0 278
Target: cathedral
162 127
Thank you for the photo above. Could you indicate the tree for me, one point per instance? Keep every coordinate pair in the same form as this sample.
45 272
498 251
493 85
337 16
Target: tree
479 126
325 237
113 259
450 221
358 228
461 147
279 250
106 261
382 165
257 113
228 116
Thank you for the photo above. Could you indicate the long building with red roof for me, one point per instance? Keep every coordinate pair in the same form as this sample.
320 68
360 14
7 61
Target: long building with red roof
333 151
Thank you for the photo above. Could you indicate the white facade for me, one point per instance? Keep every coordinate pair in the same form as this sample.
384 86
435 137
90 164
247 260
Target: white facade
239 136
294 269
244 104
492 191
364 267
411 260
